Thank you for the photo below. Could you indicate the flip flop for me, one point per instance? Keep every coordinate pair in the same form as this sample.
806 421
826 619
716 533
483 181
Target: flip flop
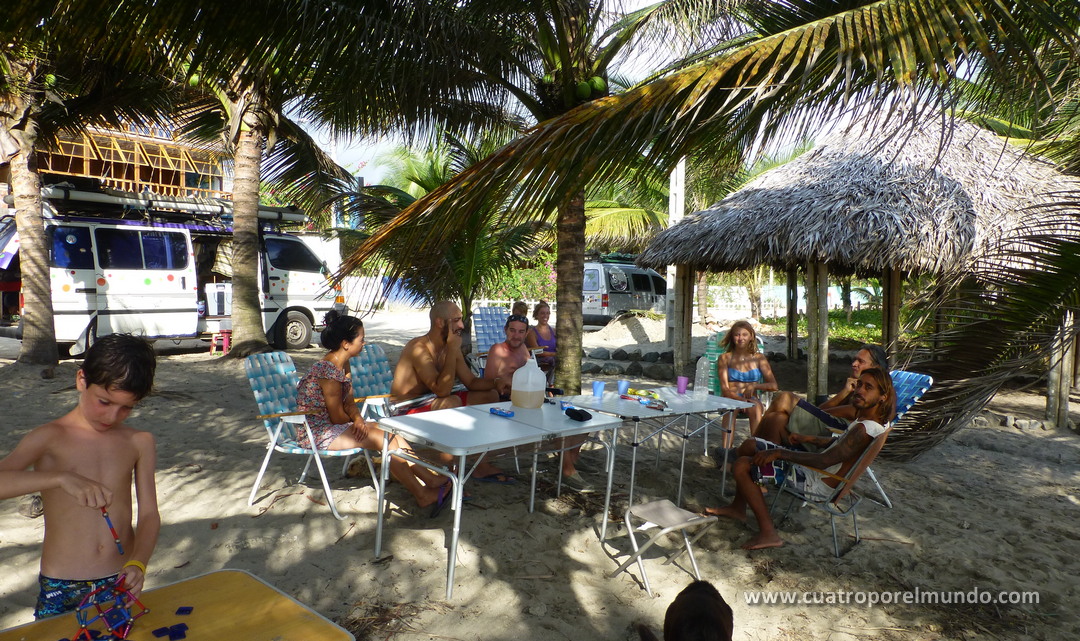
440 502
502 478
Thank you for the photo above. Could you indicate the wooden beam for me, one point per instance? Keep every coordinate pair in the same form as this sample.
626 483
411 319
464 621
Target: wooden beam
792 314
1059 378
892 290
811 331
822 370
684 319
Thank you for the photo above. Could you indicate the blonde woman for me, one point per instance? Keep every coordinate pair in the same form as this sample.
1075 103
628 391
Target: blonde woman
743 372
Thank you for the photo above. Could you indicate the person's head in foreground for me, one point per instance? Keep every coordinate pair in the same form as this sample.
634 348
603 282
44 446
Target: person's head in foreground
343 332
699 613
874 395
741 334
516 327
869 356
520 308
446 317
117 373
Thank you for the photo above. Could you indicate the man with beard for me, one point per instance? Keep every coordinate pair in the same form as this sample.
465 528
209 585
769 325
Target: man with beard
505 358
873 399
433 363
788 414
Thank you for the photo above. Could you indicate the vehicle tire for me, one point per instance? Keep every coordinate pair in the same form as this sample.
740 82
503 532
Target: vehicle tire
293 331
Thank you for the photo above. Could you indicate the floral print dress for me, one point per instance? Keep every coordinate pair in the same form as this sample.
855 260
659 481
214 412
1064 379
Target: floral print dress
309 396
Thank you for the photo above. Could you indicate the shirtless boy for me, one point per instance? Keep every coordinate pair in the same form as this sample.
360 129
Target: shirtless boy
86 460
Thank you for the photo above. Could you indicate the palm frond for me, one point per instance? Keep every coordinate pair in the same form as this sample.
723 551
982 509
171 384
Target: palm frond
810 59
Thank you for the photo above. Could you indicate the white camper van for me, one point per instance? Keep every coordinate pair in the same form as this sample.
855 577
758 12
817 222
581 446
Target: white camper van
161 268
613 285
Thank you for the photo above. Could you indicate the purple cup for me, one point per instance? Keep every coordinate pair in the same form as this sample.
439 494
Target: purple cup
681 383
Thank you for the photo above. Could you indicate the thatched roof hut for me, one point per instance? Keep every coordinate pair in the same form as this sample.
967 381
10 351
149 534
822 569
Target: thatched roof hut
867 204
875 203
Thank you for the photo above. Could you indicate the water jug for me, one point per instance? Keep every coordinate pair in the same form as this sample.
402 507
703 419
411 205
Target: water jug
701 377
527 386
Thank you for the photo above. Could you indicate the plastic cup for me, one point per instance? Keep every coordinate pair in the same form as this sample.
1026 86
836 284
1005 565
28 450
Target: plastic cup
624 386
681 383
598 388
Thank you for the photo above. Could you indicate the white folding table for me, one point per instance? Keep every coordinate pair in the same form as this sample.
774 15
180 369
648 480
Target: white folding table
473 430
678 406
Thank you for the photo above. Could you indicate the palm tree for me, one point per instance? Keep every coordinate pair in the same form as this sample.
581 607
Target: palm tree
796 63
321 49
246 109
45 89
479 247
545 57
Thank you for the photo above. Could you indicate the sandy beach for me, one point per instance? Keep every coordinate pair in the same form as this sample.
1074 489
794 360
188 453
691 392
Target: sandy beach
994 508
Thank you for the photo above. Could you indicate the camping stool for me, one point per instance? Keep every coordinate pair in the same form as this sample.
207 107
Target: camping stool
668 517
225 336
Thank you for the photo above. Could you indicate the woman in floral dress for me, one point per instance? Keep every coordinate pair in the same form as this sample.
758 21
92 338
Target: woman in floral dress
325 393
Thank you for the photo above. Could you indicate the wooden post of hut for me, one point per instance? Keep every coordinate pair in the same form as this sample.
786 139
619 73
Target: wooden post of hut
890 310
817 322
1059 378
792 314
684 318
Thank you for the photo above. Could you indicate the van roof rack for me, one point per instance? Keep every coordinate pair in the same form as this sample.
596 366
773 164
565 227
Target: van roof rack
193 207
613 257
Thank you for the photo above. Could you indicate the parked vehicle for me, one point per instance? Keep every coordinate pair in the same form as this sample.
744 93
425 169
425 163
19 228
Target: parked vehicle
161 268
614 285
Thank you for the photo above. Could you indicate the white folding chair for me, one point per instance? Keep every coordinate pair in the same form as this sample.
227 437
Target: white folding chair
669 518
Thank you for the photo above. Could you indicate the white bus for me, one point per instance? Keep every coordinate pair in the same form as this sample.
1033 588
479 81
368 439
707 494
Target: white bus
161 268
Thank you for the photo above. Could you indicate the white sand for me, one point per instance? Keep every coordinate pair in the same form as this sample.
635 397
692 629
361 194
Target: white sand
994 508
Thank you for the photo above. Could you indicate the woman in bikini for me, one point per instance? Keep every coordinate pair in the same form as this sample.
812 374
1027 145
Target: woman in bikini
743 372
335 420
542 336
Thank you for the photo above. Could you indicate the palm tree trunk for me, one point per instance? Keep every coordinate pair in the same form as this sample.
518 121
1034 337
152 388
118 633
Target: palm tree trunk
569 272
39 333
248 334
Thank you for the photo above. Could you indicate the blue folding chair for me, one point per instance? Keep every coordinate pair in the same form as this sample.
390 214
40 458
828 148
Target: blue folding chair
273 379
372 377
910 387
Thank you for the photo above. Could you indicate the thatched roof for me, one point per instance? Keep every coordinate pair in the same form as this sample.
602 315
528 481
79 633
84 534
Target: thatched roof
862 202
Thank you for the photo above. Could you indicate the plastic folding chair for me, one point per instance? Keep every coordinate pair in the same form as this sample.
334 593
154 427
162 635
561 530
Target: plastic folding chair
372 378
842 501
487 323
273 379
668 517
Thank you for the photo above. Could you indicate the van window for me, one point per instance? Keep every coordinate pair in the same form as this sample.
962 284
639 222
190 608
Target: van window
617 281
131 249
592 280
164 250
71 248
641 283
292 255
118 248
659 285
